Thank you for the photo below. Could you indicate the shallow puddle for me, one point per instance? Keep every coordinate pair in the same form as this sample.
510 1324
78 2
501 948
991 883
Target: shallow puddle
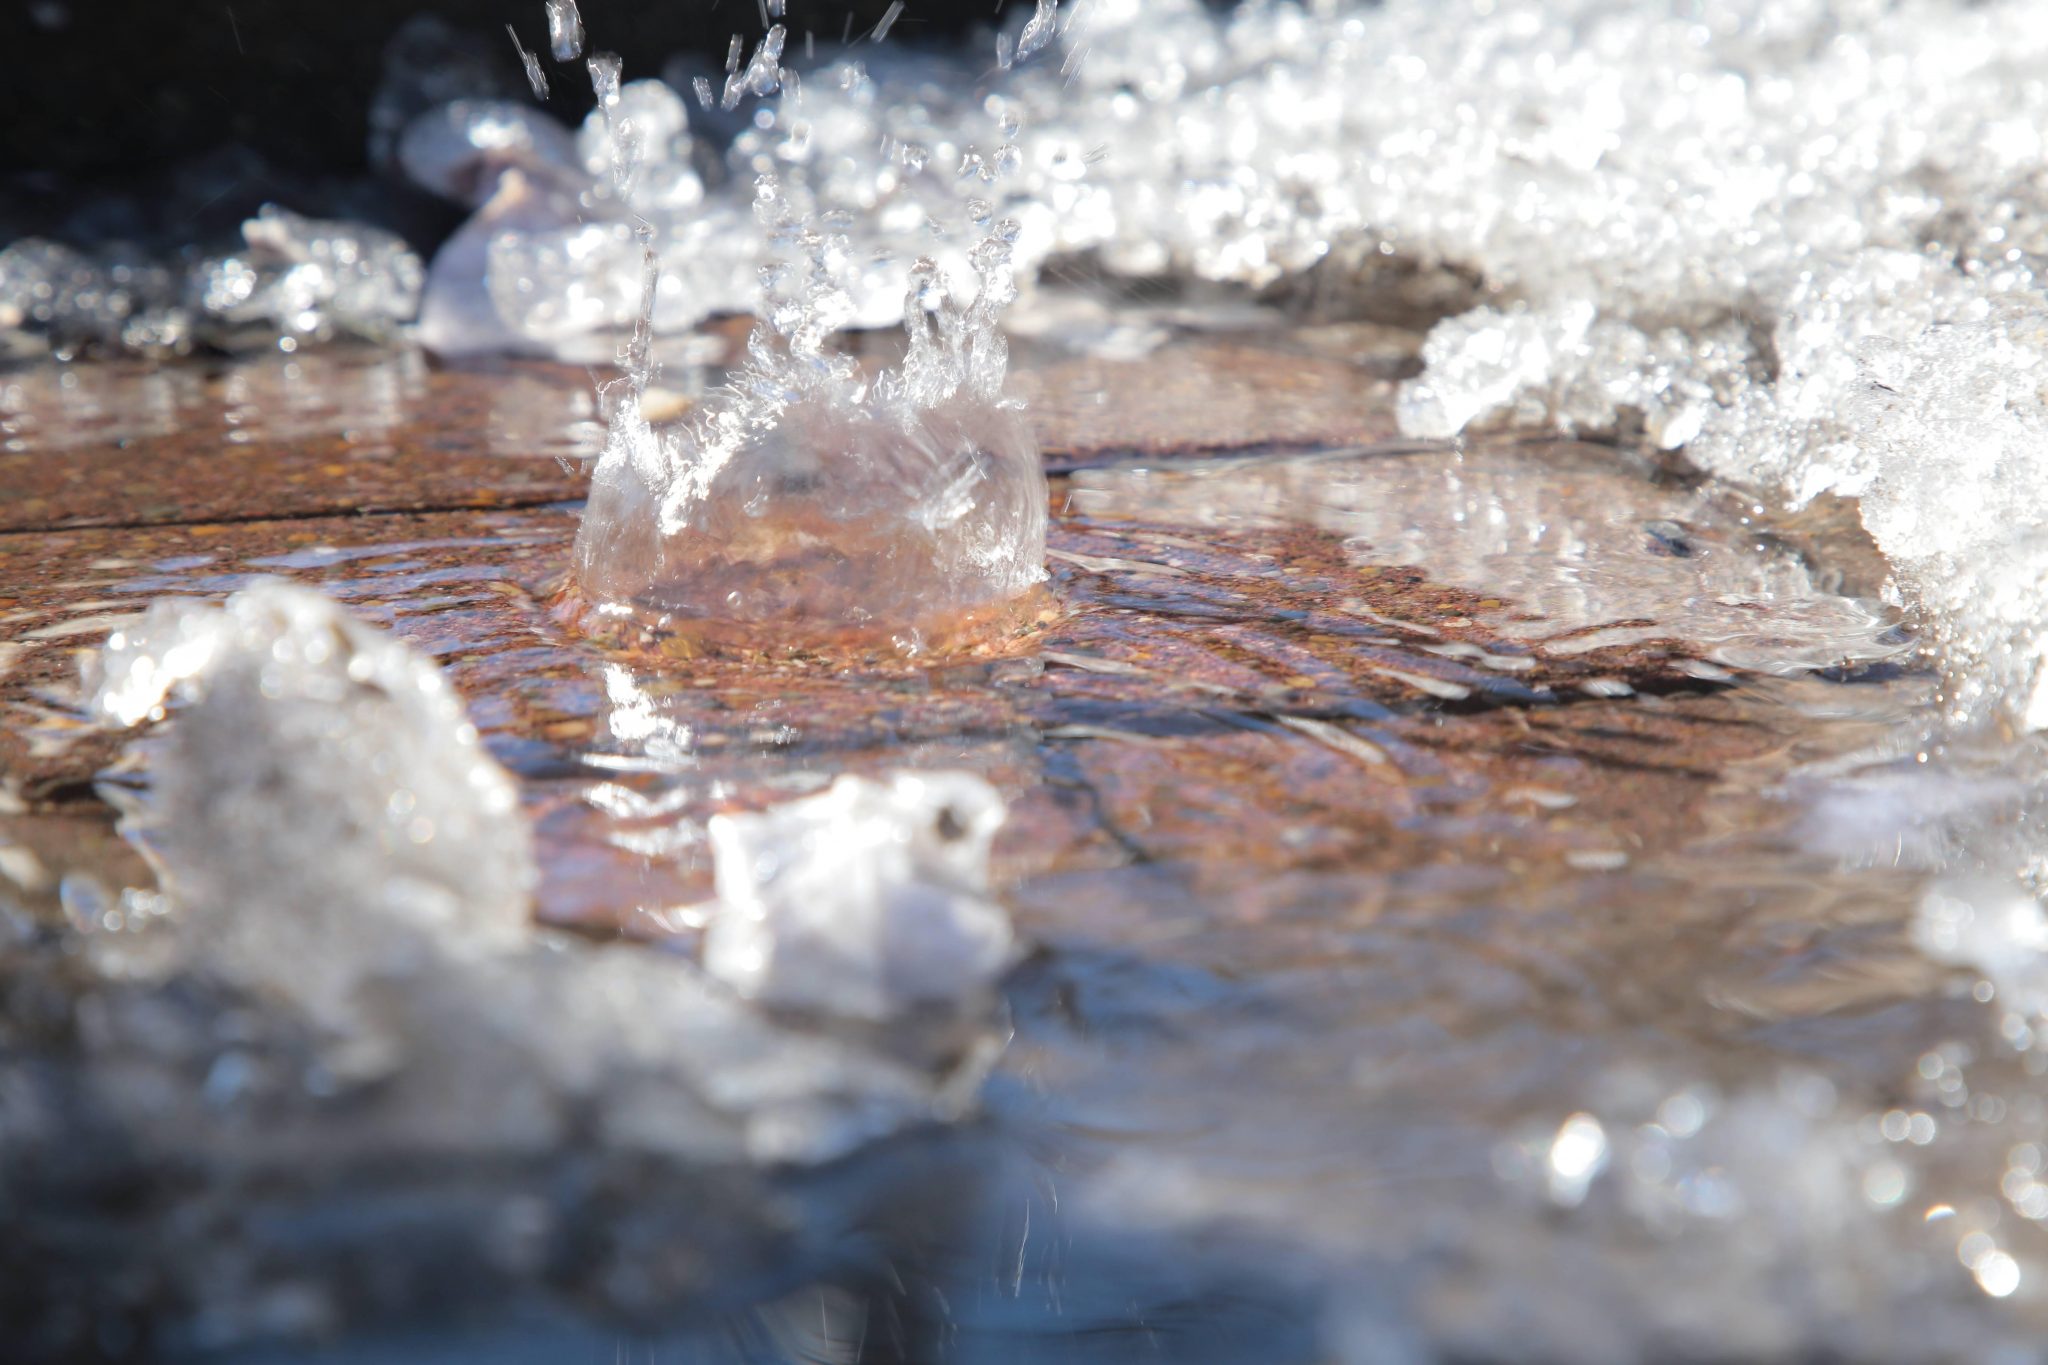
1463 933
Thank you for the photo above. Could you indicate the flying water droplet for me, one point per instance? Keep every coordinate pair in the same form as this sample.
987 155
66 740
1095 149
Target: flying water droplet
536 78
1039 30
565 30
887 21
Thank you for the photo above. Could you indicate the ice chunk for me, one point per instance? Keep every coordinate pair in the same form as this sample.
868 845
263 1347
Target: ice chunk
337 848
536 77
867 900
297 280
310 280
1039 30
763 72
53 298
322 812
38 282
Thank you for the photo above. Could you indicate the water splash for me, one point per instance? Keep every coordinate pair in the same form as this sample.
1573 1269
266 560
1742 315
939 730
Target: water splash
811 493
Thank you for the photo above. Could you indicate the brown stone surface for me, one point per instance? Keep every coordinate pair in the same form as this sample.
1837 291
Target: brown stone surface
341 431
336 431
1199 688
1251 699
1203 395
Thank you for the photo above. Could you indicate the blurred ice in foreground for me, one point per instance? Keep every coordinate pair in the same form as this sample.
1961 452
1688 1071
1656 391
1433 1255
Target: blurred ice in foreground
335 843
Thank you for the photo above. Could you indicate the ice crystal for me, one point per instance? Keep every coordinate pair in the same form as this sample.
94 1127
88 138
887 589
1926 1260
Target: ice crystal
565 30
536 75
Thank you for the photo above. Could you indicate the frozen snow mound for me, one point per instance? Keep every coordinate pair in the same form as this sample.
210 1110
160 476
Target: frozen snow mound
867 900
294 281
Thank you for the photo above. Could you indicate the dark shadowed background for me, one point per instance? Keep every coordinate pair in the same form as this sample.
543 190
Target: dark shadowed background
173 119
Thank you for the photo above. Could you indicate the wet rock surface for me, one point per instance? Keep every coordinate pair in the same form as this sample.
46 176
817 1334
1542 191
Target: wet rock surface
1374 808
324 433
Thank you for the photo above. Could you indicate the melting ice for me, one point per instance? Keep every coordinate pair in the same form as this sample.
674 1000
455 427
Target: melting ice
333 839
865 900
322 808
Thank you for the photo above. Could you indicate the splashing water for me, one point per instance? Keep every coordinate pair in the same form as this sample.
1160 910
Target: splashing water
811 493
1798 242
